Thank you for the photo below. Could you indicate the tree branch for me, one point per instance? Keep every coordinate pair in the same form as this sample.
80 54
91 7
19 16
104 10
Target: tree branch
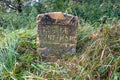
9 4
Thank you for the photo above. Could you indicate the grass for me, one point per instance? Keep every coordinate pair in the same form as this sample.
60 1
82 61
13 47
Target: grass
97 57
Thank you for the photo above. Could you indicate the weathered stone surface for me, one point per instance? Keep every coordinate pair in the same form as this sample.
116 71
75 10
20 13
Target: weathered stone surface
56 33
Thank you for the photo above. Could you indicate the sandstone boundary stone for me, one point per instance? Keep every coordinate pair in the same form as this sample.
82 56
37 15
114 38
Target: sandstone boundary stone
56 33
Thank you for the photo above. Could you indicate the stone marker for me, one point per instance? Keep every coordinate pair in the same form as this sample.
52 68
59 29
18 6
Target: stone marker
56 33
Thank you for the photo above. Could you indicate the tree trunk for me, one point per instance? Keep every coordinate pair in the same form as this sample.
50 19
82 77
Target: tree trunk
19 8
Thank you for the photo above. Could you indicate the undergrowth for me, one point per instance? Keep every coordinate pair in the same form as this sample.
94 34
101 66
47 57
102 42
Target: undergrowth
97 57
